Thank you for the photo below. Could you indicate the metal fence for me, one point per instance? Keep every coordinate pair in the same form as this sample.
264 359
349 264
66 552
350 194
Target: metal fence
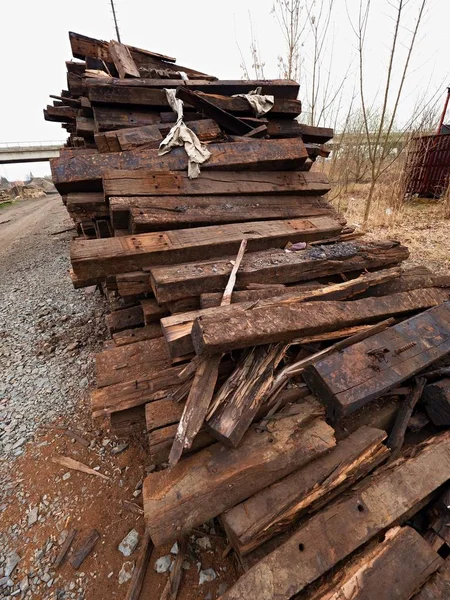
428 166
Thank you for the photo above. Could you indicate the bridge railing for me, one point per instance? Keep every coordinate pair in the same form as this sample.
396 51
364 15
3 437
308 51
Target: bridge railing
32 144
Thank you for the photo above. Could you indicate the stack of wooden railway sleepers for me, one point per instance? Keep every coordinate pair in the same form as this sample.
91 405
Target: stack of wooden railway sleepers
292 377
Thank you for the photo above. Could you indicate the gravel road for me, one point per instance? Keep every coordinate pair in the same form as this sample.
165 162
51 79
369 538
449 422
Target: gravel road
48 331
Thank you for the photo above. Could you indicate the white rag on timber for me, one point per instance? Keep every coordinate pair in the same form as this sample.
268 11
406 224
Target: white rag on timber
260 103
181 135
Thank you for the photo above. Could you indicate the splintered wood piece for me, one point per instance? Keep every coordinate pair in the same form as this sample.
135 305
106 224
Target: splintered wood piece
170 591
273 266
274 509
226 298
223 477
64 548
388 497
122 59
389 570
160 443
234 407
353 377
143 182
140 569
222 332
78 173
70 463
437 400
196 407
80 555
397 435
299 366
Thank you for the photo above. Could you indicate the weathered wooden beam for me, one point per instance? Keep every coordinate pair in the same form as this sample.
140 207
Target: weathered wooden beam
129 393
108 118
275 508
177 328
393 568
83 46
99 258
372 367
437 402
438 586
130 362
124 318
280 88
156 213
208 300
222 479
387 498
308 133
137 334
397 434
225 119
151 136
273 266
215 333
79 556
60 114
122 59
81 171
148 183
143 96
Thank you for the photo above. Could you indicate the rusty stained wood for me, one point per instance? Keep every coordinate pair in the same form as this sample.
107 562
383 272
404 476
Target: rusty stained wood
273 266
102 257
389 497
117 182
384 360
218 332
142 214
81 173
178 328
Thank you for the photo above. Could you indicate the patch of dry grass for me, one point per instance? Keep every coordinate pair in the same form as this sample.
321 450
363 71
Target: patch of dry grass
421 224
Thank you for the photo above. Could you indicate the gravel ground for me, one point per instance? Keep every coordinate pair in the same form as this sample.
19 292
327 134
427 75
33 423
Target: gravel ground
48 335
47 328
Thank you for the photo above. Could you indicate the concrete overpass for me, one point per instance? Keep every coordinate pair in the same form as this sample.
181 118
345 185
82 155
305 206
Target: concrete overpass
24 152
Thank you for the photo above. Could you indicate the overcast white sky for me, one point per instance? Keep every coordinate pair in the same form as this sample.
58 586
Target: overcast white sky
202 34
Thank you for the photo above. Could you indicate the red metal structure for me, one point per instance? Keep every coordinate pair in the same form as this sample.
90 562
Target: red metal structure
428 161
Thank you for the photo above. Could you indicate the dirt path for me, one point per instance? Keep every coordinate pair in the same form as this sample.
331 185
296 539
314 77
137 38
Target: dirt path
27 217
49 334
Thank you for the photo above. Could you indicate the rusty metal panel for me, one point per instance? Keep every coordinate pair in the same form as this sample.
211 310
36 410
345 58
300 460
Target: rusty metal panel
428 165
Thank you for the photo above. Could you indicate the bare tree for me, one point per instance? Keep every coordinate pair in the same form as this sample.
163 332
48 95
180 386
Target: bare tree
289 14
378 139
308 56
